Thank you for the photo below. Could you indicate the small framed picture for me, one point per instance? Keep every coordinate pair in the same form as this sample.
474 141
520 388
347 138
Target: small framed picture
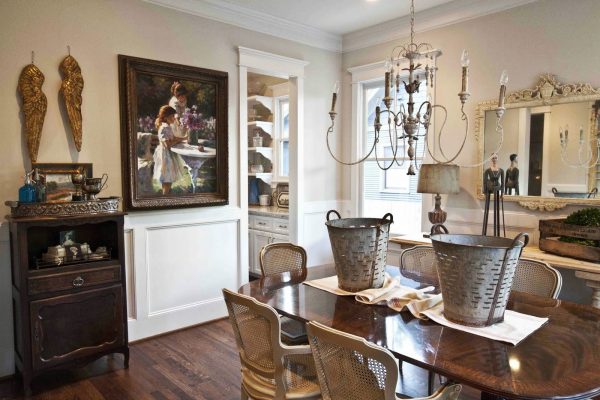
67 238
73 252
59 186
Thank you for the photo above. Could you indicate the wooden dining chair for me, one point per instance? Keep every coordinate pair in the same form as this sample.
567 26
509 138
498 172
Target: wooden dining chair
418 264
270 370
537 277
277 258
351 368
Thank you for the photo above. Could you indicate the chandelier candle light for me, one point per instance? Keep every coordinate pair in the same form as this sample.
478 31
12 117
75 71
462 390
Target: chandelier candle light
414 124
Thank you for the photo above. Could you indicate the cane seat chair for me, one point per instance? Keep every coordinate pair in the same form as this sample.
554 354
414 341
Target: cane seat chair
350 368
277 258
270 370
537 277
418 264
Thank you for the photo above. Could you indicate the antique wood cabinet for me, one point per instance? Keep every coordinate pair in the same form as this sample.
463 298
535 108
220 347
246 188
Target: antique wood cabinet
67 314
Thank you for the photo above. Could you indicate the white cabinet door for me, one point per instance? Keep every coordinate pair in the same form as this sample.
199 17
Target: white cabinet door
258 241
252 253
275 238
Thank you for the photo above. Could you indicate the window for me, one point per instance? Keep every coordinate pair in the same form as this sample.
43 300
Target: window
283 136
390 190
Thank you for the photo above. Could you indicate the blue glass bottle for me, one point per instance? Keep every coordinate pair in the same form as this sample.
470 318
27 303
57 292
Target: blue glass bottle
27 192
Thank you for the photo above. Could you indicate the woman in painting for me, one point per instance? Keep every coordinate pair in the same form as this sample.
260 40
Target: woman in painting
179 102
167 164
493 179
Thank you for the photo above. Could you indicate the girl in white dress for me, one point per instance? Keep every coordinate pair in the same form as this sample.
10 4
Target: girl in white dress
168 166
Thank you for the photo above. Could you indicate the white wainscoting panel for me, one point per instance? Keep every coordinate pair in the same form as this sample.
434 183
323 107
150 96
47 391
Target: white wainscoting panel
181 260
189 264
7 360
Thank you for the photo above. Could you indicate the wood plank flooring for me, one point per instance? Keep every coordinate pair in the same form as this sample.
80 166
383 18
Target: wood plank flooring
199 363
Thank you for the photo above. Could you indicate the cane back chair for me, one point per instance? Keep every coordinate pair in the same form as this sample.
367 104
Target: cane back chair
418 264
537 277
270 370
350 368
277 258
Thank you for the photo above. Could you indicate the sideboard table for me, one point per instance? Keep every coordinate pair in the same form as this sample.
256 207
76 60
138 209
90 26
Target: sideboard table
588 271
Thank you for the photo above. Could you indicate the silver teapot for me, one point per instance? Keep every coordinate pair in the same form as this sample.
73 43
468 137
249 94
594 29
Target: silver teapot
93 186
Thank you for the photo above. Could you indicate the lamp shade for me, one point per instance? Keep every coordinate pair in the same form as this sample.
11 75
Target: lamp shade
439 179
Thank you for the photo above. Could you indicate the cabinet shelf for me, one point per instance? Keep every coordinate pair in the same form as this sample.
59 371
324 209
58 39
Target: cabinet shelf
265 126
267 152
265 101
266 177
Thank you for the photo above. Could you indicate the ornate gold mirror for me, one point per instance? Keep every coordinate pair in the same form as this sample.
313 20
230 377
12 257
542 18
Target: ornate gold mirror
551 136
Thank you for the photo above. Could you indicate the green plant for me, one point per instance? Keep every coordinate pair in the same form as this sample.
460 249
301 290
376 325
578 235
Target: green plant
583 217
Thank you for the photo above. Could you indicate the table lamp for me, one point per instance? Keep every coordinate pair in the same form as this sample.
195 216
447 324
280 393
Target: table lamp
438 179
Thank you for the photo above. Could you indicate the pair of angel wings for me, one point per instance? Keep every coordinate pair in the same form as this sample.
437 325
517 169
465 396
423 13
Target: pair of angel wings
35 102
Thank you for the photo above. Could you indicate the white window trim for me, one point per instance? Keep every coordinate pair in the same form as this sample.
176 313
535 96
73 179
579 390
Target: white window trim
278 139
362 75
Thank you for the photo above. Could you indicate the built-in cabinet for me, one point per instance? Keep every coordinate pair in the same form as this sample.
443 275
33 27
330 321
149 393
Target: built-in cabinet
260 136
262 231
68 309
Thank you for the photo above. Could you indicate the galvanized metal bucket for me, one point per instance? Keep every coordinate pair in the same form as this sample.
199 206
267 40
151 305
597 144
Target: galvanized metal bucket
359 250
476 274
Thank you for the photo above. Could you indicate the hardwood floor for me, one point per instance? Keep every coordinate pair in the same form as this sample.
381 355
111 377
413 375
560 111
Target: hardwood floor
200 363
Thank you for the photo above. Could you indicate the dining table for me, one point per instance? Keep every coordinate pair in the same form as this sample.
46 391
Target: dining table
561 360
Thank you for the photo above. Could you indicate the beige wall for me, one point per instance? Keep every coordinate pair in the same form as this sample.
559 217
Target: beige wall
98 30
554 36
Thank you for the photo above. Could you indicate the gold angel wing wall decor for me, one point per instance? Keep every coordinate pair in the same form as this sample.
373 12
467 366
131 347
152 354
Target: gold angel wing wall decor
34 107
71 89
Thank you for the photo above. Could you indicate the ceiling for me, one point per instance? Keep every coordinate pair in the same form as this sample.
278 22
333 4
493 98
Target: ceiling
336 16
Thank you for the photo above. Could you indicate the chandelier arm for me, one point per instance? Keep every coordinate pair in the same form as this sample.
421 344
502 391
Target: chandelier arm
500 130
330 130
382 167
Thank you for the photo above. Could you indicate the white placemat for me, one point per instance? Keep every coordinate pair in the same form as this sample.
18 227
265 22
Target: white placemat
423 305
513 329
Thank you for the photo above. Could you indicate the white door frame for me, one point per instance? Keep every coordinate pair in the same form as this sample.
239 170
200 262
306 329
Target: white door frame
261 62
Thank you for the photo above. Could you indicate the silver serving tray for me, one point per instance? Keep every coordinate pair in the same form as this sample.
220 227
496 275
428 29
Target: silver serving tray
64 209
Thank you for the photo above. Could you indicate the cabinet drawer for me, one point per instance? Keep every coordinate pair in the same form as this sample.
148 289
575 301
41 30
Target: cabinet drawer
281 226
263 224
74 279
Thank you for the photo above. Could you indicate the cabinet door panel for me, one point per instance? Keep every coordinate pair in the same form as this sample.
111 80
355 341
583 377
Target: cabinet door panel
76 325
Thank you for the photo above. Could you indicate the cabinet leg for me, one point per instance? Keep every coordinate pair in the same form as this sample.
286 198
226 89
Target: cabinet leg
592 280
26 385
126 358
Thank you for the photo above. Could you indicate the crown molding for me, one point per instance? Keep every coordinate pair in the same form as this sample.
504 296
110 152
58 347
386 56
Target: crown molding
433 18
256 21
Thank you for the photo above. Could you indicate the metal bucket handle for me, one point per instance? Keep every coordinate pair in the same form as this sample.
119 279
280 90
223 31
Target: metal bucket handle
333 211
503 271
391 217
438 229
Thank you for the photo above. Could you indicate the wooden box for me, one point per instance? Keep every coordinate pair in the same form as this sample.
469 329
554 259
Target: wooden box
552 229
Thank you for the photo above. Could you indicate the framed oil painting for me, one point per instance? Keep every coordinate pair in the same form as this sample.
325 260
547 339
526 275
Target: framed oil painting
173 135
59 186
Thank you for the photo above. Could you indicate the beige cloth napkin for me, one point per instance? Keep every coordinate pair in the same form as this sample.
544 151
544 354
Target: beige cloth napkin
423 305
392 294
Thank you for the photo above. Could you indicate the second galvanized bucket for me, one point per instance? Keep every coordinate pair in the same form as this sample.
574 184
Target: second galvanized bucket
476 274
359 250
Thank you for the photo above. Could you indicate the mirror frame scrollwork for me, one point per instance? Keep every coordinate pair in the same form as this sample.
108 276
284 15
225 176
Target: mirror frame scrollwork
548 91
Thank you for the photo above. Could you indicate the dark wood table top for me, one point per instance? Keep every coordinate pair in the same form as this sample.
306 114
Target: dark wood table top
561 360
